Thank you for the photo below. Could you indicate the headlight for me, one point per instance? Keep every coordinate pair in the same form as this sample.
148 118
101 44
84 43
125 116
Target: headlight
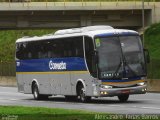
141 84
106 86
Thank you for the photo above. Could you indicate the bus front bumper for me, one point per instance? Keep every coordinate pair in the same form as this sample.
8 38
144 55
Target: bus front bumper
121 91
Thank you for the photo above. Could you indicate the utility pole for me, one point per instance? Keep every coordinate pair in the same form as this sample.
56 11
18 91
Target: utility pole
143 21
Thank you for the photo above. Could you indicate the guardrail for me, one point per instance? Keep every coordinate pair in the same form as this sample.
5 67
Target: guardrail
78 0
7 68
65 3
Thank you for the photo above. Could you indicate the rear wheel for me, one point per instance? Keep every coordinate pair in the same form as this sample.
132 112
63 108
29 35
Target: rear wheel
36 94
123 98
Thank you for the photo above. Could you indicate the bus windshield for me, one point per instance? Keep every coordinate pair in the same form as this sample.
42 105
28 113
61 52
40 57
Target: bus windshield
120 57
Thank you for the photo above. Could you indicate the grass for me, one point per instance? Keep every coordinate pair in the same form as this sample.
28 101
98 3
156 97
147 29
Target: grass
40 113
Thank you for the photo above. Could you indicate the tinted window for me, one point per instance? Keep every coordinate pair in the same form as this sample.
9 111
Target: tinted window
66 47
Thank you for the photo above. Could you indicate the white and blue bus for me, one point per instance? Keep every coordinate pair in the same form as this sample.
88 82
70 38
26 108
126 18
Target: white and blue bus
93 61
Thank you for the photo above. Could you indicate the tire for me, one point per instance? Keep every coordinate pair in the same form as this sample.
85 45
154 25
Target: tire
36 94
123 98
83 97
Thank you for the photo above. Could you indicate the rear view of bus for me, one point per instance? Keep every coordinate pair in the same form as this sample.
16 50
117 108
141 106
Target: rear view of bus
81 63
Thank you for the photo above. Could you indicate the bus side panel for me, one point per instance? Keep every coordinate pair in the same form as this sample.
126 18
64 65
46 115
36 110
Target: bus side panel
66 84
27 83
43 81
20 82
55 82
60 83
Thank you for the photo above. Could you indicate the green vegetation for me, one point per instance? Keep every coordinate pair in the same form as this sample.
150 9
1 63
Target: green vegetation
152 42
40 113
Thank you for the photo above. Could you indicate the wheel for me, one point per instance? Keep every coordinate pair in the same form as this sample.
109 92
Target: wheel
71 98
123 98
36 94
83 97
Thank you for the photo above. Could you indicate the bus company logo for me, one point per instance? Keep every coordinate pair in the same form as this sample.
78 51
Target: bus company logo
18 64
57 66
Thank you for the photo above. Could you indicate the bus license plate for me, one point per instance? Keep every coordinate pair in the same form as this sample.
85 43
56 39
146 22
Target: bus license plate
125 91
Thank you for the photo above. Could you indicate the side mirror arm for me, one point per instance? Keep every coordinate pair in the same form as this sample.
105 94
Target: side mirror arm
146 55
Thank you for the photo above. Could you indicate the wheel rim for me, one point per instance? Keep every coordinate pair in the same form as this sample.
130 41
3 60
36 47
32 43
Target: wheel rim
35 93
82 94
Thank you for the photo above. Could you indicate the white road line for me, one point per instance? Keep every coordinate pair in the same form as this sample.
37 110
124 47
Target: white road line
155 108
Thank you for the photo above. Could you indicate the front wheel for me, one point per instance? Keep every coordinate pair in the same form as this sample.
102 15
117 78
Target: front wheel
123 98
83 97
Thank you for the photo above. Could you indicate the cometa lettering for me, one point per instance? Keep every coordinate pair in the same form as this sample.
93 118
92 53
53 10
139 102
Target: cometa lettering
57 66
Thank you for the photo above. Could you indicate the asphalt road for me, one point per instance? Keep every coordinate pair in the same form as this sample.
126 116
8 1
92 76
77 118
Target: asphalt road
137 104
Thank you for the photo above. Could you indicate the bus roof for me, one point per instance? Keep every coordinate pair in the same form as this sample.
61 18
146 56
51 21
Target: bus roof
83 31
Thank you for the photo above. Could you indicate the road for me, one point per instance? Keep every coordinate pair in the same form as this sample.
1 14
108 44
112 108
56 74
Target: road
138 104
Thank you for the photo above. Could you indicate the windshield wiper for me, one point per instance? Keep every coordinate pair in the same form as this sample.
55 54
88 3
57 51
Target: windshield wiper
117 69
126 64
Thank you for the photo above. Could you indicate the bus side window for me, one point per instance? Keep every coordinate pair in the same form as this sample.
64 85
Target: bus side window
78 47
21 51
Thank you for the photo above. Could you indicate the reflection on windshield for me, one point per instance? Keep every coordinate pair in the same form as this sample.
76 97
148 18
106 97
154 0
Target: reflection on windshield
109 53
119 55
133 55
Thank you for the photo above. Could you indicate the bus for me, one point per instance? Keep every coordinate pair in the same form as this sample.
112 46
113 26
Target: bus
80 63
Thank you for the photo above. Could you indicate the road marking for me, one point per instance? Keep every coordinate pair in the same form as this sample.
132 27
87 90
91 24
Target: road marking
155 108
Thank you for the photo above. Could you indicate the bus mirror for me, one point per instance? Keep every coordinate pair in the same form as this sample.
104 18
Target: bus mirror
147 56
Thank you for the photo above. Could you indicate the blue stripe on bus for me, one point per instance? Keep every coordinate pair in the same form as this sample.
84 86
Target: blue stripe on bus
113 34
126 80
42 65
105 35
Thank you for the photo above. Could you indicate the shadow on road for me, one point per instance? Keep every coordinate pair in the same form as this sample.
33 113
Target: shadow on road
93 101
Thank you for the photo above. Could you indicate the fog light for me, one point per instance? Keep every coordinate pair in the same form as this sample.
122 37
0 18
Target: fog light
105 93
106 86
